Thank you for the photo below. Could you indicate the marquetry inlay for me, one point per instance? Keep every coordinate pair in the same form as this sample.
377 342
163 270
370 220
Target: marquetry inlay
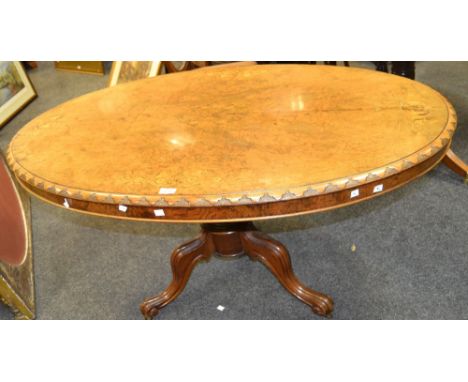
233 136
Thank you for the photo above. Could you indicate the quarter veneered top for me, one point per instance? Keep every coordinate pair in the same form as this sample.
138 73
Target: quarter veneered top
232 135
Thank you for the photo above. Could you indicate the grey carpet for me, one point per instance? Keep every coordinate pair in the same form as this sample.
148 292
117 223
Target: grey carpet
410 262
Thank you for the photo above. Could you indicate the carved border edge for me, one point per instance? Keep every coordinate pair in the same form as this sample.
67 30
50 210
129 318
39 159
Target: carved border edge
246 197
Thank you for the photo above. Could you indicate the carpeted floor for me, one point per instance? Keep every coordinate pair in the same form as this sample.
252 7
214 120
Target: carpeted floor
410 262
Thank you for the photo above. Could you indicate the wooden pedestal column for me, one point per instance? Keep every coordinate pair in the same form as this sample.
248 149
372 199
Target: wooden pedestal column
232 240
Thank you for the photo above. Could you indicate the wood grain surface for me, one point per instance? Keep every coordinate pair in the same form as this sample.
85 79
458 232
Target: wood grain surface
233 137
230 241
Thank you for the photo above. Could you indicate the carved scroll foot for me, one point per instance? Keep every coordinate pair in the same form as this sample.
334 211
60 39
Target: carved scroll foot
273 254
453 162
183 260
231 240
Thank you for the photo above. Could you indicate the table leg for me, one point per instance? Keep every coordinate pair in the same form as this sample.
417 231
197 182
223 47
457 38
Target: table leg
275 257
232 240
183 260
453 162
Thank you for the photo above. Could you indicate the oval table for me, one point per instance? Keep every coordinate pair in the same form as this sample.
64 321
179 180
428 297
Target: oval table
227 146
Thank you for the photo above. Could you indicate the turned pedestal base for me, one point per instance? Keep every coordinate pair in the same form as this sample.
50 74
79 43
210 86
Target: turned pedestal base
232 240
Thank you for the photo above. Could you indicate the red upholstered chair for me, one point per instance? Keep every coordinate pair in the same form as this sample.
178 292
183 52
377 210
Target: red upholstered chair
16 267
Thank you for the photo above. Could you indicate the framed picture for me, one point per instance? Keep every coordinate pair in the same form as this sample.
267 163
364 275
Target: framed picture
88 67
16 91
16 262
125 71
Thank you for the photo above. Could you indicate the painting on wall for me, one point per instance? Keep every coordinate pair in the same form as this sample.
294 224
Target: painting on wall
126 71
16 91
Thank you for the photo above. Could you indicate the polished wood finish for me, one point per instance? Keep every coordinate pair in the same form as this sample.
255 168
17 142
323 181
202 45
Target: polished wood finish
275 257
183 260
250 211
453 162
289 134
233 240
230 145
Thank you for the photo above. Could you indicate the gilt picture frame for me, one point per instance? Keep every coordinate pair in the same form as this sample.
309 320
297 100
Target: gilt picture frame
126 71
16 90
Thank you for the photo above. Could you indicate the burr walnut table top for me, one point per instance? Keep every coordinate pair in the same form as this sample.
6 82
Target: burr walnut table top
234 143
